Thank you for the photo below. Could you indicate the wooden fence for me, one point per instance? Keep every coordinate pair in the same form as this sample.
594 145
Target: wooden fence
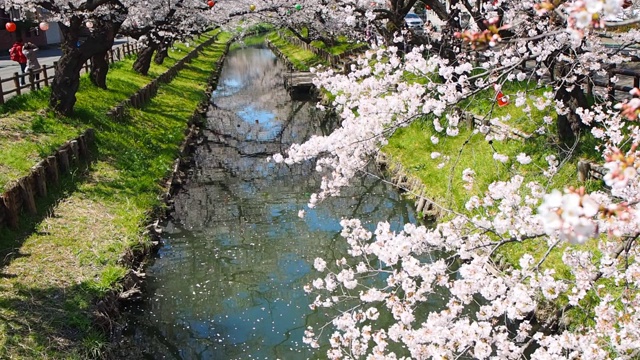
613 87
21 196
44 76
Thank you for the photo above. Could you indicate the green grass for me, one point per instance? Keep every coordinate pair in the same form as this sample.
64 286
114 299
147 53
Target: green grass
341 45
484 104
28 132
59 263
301 59
412 148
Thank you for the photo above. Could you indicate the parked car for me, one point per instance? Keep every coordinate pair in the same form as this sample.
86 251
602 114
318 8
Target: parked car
414 22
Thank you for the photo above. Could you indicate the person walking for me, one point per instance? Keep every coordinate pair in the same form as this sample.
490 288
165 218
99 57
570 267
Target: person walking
30 51
16 54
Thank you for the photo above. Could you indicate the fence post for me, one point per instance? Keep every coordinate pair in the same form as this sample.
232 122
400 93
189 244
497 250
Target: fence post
40 179
611 86
1 92
9 198
51 169
32 85
63 160
16 80
45 75
28 199
75 151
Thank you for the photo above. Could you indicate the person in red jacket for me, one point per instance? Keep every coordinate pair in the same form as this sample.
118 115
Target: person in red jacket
16 54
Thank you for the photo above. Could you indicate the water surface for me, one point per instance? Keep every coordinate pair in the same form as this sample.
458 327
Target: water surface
228 282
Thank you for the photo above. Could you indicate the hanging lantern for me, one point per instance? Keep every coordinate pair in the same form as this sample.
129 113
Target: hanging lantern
44 26
89 25
10 26
427 7
298 7
210 3
252 7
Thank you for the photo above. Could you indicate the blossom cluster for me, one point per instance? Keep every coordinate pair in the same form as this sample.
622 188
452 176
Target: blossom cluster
447 289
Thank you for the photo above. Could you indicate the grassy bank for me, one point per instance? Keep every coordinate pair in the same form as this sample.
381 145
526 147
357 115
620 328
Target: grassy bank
301 59
439 165
60 263
28 132
412 149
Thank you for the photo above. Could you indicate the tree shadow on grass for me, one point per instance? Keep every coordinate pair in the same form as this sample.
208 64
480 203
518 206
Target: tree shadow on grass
11 240
31 101
50 322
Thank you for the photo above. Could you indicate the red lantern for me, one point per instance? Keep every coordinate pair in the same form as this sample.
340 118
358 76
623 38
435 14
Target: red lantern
427 7
10 26
210 3
44 26
503 100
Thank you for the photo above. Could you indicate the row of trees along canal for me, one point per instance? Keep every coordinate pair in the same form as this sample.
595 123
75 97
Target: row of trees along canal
564 40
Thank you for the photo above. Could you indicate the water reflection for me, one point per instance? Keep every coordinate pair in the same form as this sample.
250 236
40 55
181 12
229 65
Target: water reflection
228 282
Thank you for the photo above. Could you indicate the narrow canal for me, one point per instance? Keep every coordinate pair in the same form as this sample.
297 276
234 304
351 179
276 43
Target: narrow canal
228 282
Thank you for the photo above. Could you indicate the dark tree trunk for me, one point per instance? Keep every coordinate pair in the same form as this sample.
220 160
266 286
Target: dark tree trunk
163 52
395 14
66 82
100 61
569 124
67 73
99 69
299 35
143 62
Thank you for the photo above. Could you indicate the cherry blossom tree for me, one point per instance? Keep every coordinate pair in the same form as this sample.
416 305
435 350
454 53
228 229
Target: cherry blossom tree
518 309
170 21
89 29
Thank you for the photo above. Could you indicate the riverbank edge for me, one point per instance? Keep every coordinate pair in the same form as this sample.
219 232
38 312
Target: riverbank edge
106 309
21 197
136 259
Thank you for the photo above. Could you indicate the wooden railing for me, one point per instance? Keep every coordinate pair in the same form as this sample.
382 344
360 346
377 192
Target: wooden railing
617 72
35 79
